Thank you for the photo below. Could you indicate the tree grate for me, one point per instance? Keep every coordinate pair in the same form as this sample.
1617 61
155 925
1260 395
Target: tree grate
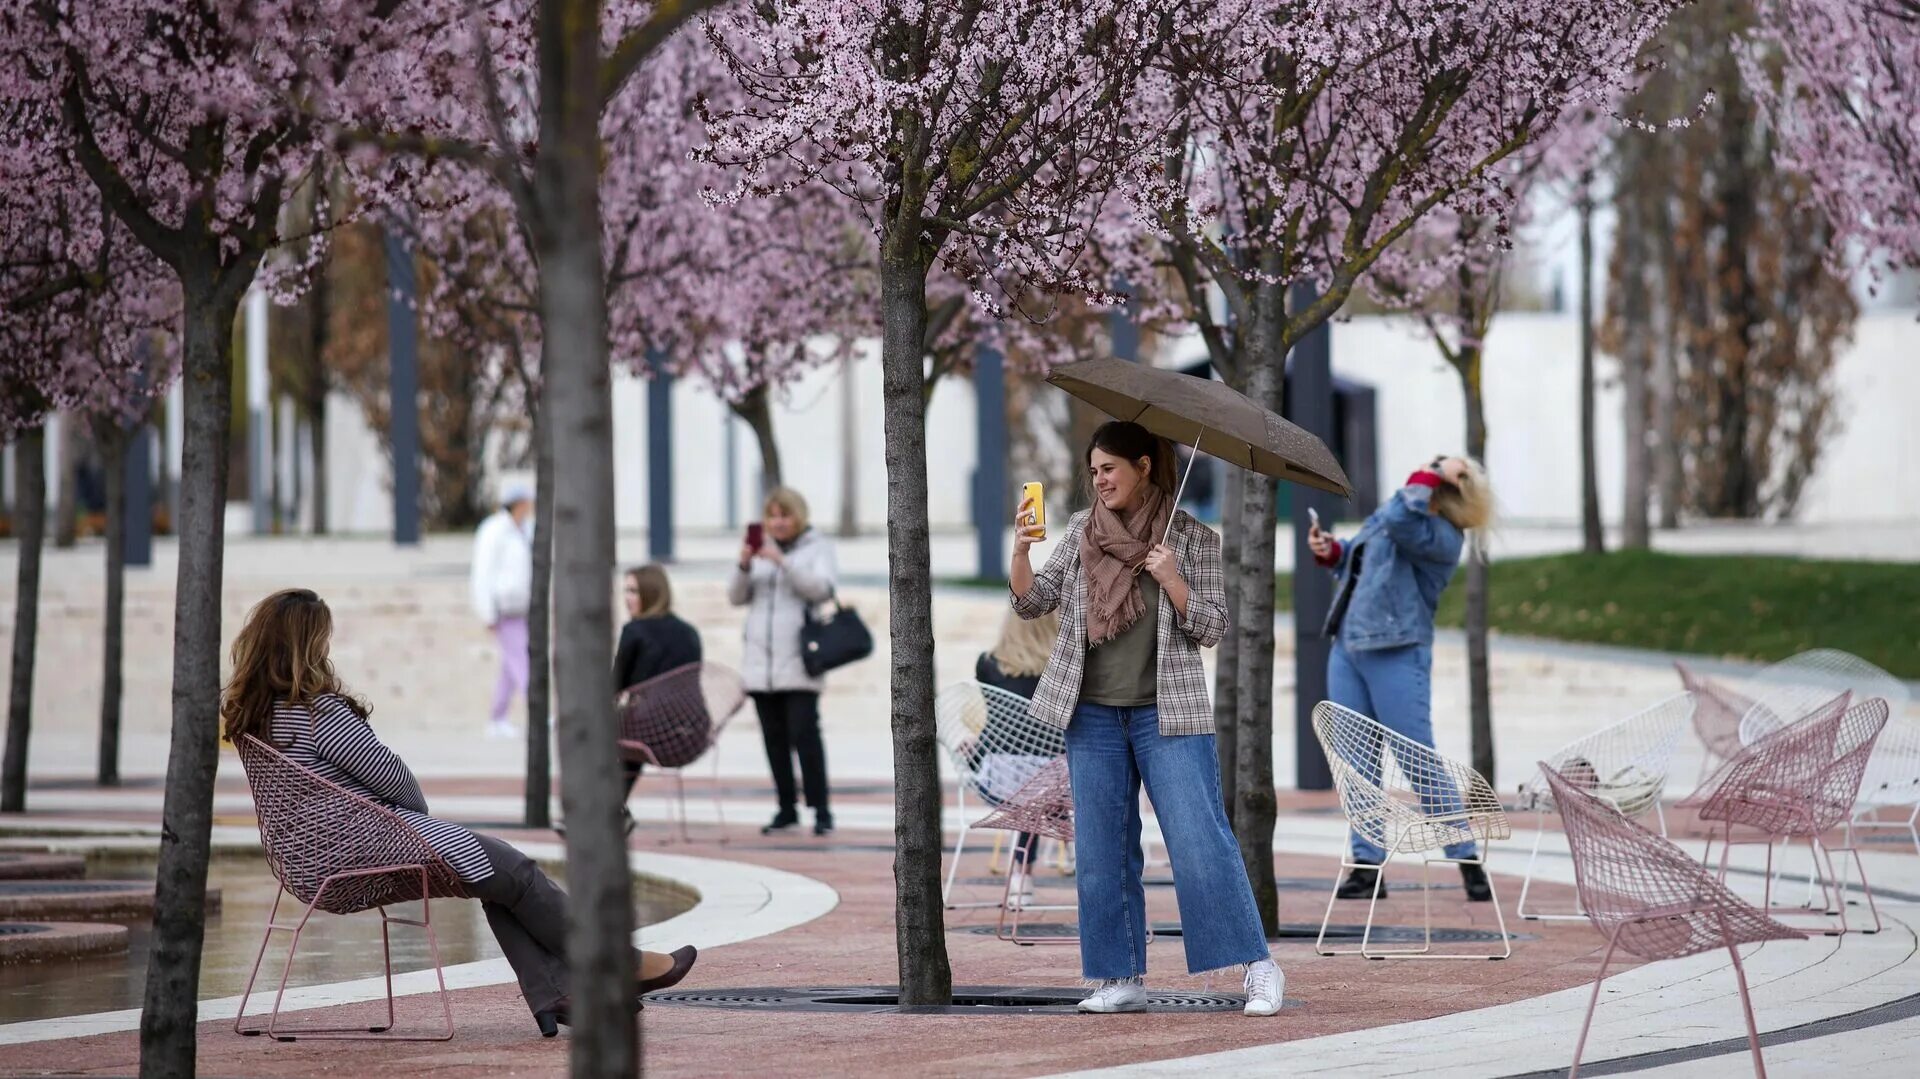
71 887
21 929
973 1000
1382 934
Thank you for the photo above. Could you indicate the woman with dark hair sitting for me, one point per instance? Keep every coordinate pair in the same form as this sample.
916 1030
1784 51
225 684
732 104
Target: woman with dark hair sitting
284 691
653 642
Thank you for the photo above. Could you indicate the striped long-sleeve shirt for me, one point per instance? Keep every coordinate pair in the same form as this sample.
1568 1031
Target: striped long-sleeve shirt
327 735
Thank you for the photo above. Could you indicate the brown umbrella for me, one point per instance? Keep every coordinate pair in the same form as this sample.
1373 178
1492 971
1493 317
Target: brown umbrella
1204 414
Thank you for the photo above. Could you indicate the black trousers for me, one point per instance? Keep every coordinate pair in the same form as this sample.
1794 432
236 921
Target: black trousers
790 725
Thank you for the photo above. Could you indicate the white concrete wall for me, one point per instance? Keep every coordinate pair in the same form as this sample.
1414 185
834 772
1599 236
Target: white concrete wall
1871 470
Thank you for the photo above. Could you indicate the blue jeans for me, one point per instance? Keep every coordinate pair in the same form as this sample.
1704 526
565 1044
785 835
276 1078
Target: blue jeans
1394 687
1109 752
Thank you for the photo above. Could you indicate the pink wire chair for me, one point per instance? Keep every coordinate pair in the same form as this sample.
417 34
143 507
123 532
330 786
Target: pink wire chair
1717 713
1649 897
1800 783
1042 806
669 720
342 853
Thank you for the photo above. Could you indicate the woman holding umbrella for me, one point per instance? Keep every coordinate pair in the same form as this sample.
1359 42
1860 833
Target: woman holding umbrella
1140 589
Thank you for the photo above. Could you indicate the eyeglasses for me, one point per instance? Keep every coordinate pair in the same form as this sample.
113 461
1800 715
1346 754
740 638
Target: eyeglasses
631 591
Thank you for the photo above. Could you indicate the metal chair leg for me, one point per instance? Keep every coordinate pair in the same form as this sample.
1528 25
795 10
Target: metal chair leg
1746 1002
1593 1002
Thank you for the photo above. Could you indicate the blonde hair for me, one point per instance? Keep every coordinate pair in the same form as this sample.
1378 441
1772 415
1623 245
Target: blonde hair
1025 646
790 502
654 590
1469 505
280 654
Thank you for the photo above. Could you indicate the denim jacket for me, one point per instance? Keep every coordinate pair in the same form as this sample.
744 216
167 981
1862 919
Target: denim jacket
1410 555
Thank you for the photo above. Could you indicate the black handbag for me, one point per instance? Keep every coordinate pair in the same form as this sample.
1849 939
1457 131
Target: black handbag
835 641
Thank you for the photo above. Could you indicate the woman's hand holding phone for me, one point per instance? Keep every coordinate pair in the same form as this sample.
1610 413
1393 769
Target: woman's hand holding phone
1318 542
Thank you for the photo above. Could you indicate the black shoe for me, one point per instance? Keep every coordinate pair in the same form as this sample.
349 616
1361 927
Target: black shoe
782 821
683 960
823 824
1360 885
551 1020
1479 889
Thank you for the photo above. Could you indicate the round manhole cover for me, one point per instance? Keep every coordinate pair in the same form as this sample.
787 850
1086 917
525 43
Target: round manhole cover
72 887
19 929
967 1000
1382 934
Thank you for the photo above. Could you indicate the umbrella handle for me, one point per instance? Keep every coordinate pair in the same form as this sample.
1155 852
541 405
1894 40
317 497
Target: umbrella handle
1182 489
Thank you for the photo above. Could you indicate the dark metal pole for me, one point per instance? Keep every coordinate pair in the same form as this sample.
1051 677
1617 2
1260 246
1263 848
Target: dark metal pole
991 501
1122 328
403 346
1310 405
136 511
659 458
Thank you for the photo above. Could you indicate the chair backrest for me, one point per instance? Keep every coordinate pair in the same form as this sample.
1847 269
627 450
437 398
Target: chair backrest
1043 805
1636 884
1005 748
1784 692
1402 795
673 717
1624 764
1717 712
1801 780
312 829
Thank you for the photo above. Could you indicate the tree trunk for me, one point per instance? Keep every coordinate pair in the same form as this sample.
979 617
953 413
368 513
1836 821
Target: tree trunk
1666 436
539 793
849 452
1479 685
1593 540
1226 673
180 888
756 408
919 920
1636 359
114 445
66 508
30 531
576 395
1254 803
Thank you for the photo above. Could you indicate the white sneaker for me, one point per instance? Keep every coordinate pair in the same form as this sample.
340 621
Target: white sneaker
1019 891
502 729
1265 984
1117 995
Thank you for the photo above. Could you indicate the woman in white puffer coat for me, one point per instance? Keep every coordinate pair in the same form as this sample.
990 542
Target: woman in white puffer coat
792 570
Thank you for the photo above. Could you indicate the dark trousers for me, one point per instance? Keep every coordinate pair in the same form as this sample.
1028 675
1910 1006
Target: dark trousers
527 912
632 772
790 725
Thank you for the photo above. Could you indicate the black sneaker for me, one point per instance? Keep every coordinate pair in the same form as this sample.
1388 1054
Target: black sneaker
1360 885
782 821
823 824
1479 889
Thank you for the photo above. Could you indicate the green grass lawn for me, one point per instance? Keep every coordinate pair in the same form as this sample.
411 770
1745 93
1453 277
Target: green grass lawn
1751 607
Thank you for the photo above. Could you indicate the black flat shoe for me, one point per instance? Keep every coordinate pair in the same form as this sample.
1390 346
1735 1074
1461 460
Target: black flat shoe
823 824
683 960
1360 884
782 821
1479 888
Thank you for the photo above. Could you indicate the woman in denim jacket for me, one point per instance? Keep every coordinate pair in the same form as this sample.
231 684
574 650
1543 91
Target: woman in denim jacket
1390 576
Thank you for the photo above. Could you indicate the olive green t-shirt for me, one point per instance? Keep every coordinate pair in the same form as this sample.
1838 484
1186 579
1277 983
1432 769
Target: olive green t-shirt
1120 673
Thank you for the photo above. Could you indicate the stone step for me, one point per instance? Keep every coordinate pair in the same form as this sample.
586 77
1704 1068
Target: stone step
33 942
42 866
89 900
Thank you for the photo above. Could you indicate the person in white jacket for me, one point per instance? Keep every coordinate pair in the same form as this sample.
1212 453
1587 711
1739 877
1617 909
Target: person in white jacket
791 570
502 593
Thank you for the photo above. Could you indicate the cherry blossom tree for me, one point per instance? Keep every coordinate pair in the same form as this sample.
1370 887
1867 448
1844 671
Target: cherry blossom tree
1840 80
973 133
1302 142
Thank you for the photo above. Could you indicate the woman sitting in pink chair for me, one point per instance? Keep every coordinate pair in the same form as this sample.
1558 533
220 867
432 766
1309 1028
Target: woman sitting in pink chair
284 691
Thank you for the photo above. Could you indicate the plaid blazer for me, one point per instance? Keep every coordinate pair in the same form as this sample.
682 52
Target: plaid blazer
1181 682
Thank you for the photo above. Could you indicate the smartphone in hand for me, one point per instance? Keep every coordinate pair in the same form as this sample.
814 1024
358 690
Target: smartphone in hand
1036 494
756 536
1314 516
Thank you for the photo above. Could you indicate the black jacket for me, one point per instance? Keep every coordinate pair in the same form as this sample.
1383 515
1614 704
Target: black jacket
653 646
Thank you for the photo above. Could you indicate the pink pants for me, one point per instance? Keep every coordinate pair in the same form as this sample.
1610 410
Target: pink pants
511 631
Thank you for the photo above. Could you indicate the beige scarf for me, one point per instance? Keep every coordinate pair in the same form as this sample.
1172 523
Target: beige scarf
1113 547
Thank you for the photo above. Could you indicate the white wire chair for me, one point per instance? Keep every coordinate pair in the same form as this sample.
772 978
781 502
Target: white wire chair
995 747
1624 765
1409 799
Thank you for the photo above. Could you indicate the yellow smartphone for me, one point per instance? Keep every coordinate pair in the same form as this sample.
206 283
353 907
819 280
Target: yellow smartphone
1037 495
